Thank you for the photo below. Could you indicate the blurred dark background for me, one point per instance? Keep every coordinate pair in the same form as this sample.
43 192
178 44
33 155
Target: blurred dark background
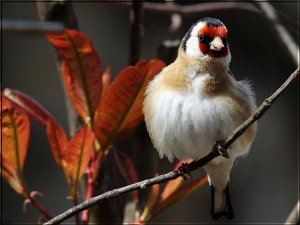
264 185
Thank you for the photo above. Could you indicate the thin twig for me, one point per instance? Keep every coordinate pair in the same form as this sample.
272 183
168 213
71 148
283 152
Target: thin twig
198 8
281 31
39 206
31 27
293 218
193 9
192 166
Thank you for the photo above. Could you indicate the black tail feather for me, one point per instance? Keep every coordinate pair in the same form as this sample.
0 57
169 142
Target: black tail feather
228 211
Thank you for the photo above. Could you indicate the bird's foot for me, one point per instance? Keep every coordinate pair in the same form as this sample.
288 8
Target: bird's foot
184 171
218 147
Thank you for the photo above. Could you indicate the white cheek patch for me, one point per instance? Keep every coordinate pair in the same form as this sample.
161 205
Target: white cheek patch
192 44
192 48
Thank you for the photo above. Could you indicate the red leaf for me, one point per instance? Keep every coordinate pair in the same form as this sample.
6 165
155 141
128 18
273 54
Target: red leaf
78 153
180 193
11 176
15 132
15 135
120 110
57 139
81 71
56 135
35 111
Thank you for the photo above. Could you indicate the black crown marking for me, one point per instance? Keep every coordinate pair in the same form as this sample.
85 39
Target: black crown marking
211 21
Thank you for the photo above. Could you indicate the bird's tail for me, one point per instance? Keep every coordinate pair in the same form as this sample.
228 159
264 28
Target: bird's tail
221 204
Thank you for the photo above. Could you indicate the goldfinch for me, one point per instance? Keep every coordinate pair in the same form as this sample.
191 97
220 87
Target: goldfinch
195 102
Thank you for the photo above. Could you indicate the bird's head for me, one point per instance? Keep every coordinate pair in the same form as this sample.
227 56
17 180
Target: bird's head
207 40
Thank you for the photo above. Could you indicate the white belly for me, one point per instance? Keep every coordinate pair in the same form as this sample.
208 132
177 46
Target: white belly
186 126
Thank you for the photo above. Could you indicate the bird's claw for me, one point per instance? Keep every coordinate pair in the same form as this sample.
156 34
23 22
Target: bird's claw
220 149
184 171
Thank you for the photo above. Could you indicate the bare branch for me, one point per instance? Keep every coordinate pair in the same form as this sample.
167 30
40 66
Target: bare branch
111 194
191 10
280 30
293 218
192 166
204 7
31 27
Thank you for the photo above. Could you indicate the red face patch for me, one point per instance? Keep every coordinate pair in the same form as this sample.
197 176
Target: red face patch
212 32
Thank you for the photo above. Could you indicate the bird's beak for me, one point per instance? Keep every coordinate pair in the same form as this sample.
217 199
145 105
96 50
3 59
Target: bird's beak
216 44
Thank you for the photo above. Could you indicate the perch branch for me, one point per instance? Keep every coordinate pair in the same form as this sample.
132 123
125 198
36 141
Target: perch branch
261 109
192 166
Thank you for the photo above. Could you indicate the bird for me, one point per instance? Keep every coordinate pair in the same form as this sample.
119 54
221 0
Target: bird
195 102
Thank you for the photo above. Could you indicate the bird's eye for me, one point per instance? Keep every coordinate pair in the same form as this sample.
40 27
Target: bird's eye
201 38
204 39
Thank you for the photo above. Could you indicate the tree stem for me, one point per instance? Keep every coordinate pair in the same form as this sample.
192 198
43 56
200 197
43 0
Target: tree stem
136 16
